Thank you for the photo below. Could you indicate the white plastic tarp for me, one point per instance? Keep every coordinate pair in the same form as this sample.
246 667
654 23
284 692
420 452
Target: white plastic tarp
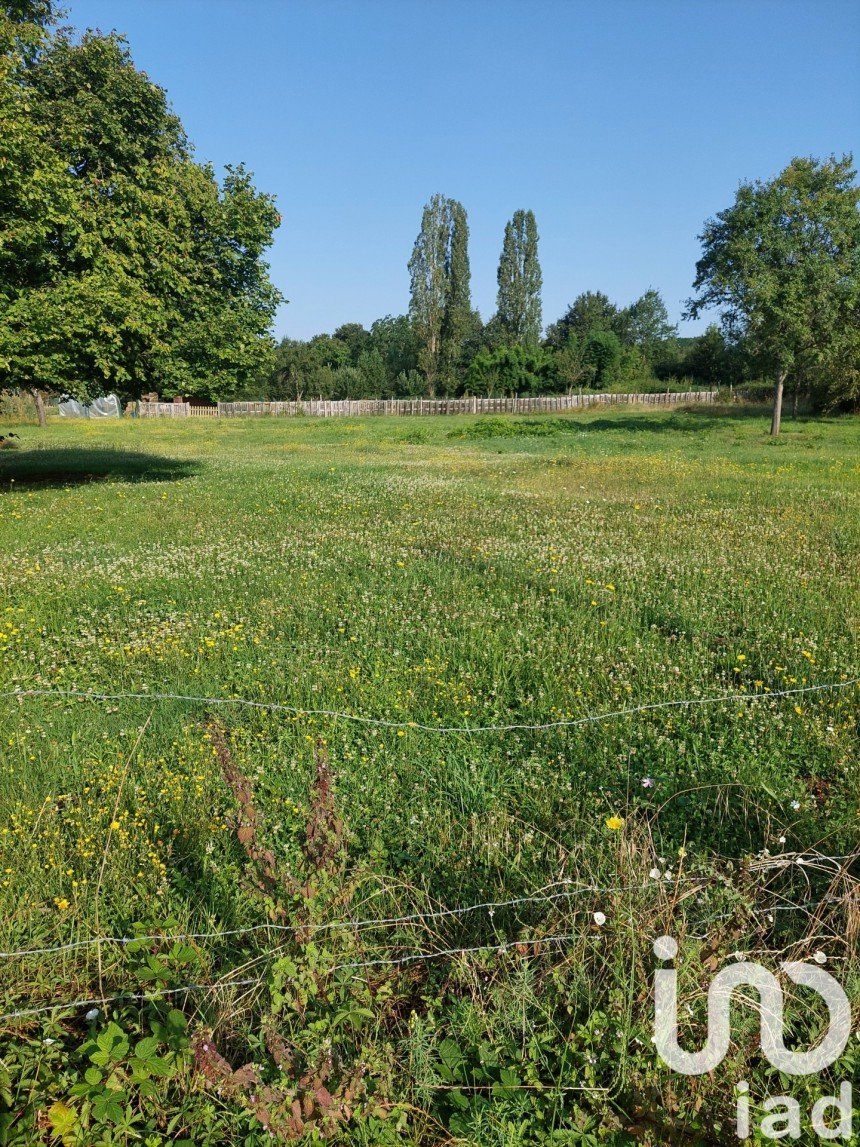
107 407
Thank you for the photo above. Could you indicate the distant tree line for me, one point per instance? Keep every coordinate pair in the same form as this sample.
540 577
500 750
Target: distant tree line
781 265
443 347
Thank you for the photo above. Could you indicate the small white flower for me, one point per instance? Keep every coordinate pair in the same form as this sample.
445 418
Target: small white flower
599 919
654 873
795 805
820 958
782 840
48 1042
92 1014
648 782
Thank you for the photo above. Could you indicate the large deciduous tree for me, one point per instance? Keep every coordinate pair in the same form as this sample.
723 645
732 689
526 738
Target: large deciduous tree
783 265
649 326
592 310
439 303
394 338
124 264
602 353
519 277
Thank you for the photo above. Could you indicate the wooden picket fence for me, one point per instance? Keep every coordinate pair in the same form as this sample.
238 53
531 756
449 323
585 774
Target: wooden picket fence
346 407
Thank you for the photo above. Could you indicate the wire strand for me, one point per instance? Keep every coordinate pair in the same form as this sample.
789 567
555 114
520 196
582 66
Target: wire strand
490 906
382 722
142 996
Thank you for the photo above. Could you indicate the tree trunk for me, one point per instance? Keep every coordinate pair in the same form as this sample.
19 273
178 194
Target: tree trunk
40 406
777 403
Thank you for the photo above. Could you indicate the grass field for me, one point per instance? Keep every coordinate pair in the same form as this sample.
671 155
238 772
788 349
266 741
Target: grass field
449 573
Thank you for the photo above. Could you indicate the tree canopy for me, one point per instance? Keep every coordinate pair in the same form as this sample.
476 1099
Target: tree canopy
124 265
519 277
783 266
440 292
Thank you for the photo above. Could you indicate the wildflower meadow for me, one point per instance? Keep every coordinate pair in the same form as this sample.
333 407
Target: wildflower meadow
350 768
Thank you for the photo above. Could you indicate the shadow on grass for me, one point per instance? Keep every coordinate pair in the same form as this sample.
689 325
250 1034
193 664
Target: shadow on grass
76 466
687 418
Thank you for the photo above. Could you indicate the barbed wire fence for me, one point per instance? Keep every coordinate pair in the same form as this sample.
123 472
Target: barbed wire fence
811 860
521 943
387 723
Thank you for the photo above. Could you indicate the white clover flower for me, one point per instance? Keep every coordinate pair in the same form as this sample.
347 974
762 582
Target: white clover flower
654 873
599 919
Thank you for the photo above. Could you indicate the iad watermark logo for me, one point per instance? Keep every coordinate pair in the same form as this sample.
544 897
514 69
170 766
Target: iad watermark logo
785 1122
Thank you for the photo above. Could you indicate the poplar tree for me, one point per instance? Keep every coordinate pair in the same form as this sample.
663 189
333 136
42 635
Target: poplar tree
457 319
520 281
439 306
428 274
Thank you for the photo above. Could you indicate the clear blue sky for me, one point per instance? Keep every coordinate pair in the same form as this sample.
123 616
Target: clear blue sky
623 125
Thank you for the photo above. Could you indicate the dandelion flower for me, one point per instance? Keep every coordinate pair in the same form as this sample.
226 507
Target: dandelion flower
614 822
